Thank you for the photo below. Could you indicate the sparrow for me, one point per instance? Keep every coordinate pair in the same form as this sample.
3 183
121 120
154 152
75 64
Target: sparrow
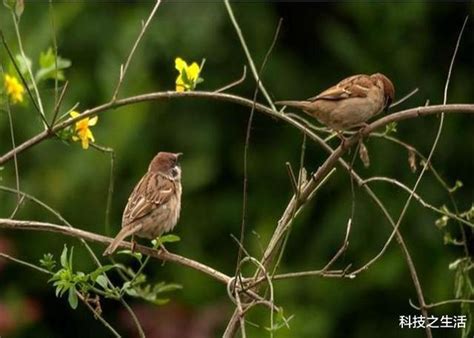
350 103
154 206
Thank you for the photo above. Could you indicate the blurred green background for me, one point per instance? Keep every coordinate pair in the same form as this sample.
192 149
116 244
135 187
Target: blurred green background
319 44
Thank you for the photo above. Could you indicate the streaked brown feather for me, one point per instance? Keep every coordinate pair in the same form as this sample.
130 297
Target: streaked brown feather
153 190
353 86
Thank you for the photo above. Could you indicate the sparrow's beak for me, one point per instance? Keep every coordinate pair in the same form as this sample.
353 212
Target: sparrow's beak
178 155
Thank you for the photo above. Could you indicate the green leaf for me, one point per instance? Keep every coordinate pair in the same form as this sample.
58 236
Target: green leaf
64 257
99 271
51 66
163 287
23 65
72 298
390 128
137 255
102 281
165 239
70 258
48 262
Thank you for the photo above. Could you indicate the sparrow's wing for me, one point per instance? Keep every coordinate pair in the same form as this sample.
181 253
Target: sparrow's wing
354 86
152 190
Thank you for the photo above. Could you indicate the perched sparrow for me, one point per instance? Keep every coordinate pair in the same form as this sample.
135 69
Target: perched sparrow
349 103
154 205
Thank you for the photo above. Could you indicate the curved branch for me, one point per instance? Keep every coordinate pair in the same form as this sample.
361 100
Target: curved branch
92 237
402 115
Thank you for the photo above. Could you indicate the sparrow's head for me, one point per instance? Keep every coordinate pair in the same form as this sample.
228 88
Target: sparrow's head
388 88
166 163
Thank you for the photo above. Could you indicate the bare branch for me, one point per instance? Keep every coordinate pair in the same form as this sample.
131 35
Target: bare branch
92 237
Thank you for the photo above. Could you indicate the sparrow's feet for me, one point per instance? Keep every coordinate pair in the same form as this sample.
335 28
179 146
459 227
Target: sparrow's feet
162 249
134 245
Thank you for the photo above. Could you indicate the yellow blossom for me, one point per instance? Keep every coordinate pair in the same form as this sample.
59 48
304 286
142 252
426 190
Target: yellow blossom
82 130
188 75
14 89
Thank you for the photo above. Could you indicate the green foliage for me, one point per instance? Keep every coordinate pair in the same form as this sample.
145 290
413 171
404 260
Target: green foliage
463 288
51 67
170 238
48 262
74 282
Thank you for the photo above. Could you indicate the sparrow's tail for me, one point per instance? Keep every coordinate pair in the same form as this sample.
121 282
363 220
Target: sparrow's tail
297 104
125 232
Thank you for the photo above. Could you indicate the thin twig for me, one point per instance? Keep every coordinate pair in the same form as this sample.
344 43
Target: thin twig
233 84
28 68
246 147
58 103
12 136
247 54
110 190
55 48
418 198
406 97
123 69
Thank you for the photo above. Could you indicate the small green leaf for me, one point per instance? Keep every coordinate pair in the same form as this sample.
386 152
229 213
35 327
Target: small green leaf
51 67
442 222
137 255
102 281
390 128
165 239
23 63
72 298
163 287
48 262
64 257
99 271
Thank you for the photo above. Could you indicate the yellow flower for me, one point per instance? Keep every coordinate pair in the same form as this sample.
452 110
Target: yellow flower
82 129
188 75
14 88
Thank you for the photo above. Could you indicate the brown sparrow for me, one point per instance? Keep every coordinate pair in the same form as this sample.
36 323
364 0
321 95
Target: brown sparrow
153 207
349 103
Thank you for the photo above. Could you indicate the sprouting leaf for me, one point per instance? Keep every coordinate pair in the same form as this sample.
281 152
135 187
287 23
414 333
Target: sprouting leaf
64 257
137 255
99 271
457 185
469 214
102 281
364 154
23 63
412 160
51 67
169 238
72 298
442 222
48 262
279 322
390 128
